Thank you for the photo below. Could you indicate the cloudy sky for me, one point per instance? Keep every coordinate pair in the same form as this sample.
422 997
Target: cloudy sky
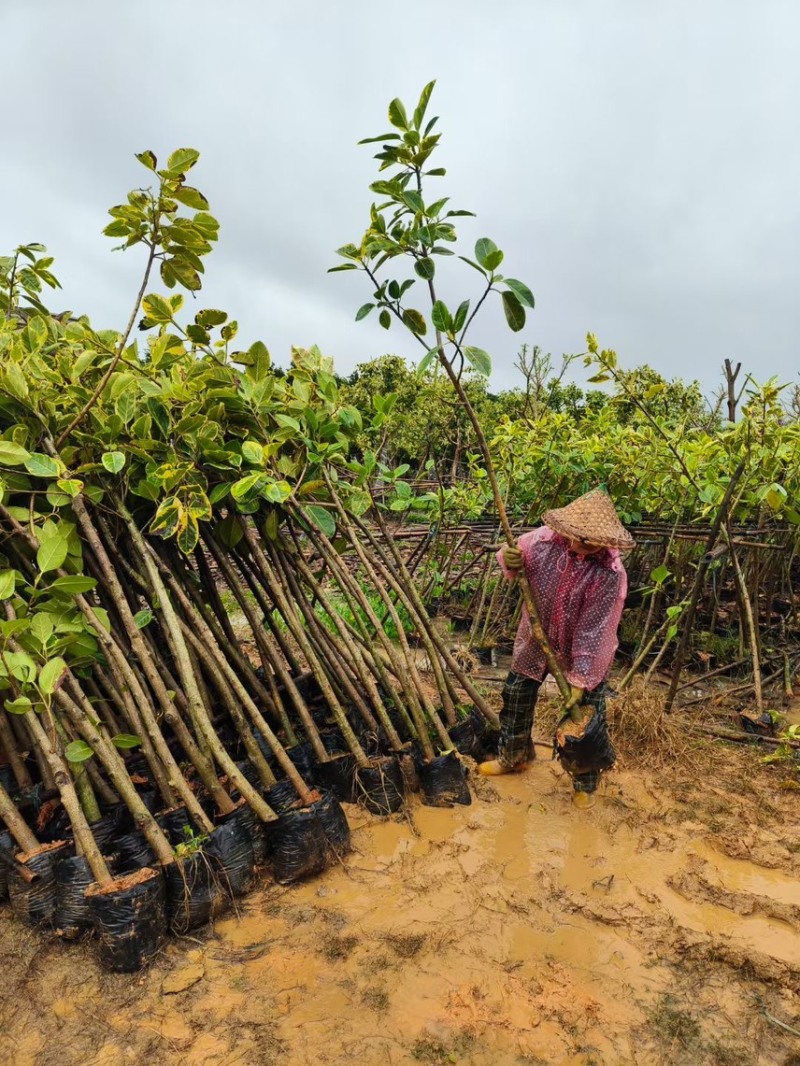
638 163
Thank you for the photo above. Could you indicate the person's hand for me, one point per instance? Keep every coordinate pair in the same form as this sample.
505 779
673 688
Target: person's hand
575 699
512 557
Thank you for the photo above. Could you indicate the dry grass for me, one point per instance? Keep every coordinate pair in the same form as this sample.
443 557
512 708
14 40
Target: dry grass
648 737
642 733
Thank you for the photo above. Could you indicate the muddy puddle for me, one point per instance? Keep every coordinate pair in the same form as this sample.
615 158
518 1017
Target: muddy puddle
517 930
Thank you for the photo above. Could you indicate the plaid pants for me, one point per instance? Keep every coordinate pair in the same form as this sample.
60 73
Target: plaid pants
516 723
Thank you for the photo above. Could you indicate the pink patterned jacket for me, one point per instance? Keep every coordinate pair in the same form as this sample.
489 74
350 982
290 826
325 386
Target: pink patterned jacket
580 602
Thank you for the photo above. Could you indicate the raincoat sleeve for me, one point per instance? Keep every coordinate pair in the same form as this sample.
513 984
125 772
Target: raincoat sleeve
594 641
525 543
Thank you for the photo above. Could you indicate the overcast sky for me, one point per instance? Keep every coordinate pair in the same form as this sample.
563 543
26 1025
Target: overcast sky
638 163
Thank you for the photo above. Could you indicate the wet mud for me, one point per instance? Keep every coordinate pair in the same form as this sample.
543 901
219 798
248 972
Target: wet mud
661 926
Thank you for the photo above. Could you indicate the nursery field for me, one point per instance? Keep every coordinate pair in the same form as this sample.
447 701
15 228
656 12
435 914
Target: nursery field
252 638
661 927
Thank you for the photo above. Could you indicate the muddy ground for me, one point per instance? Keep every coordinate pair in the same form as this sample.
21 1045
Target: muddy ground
661 926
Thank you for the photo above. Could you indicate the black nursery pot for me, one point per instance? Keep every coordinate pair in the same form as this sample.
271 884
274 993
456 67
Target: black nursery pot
231 853
7 779
467 735
380 787
443 781
302 755
57 828
249 772
130 922
7 843
254 828
591 752
73 915
282 796
134 852
306 840
338 776
193 892
105 831
333 742
407 762
34 902
173 823
488 744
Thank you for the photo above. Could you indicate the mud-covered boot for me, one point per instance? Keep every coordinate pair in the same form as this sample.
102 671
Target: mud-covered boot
494 768
583 800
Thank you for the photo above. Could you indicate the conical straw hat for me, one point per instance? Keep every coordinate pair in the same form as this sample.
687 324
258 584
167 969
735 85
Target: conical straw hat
591 518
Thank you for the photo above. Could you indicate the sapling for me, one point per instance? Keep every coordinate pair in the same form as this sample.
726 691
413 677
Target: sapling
408 225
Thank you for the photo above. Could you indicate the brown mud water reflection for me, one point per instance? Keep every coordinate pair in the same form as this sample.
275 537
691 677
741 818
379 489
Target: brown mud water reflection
514 931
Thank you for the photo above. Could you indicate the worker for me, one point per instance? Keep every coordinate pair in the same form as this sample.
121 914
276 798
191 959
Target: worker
573 565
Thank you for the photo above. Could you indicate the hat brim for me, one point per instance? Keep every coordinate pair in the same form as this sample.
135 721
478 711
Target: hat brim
619 538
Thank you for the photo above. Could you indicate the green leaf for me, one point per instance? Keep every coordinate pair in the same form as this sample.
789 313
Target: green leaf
73 586
244 486
41 465
37 333
277 492
125 741
147 159
157 309
441 317
252 452
479 360
515 312
51 674
422 106
147 490
219 492
363 311
380 137
181 160
397 115
522 292
321 518
159 414
425 268
21 705
20 664
42 627
71 486
197 334
52 553
7 583
659 575
426 361
143 618
412 199
188 536
484 249
12 454
180 270
78 751
461 316
415 322
385 318
288 422
210 317
191 197
113 461
474 266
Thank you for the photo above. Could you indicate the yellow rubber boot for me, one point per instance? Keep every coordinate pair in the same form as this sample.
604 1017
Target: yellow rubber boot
494 768
583 800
